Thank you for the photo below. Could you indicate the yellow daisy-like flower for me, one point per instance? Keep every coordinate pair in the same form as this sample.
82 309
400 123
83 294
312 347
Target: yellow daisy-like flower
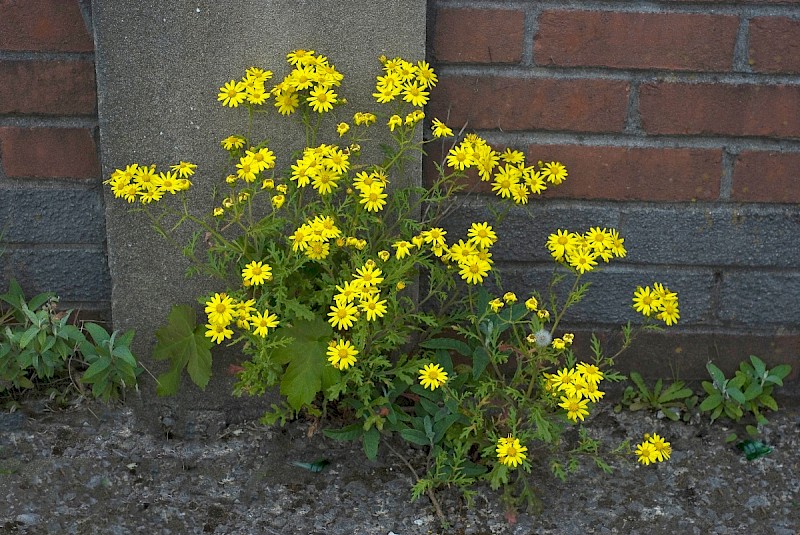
232 94
342 354
432 376
373 199
510 452
256 273
474 270
531 304
662 448
322 99
415 94
440 129
576 407
232 142
342 129
394 122
554 172
482 235
342 316
644 301
218 332
220 309
373 308
646 453
510 297
590 372
403 249
184 169
496 304
262 323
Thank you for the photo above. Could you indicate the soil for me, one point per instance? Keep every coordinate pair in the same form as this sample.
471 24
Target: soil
98 469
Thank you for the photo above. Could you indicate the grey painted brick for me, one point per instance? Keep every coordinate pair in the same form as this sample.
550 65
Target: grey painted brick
609 299
74 275
720 236
758 298
64 215
679 235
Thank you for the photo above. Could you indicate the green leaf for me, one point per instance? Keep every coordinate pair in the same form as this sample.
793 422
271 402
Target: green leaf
306 357
639 382
448 344
351 432
415 436
780 371
768 401
758 366
99 335
675 391
183 342
716 374
28 336
371 440
730 437
91 374
442 426
736 395
672 414
480 359
753 391
711 402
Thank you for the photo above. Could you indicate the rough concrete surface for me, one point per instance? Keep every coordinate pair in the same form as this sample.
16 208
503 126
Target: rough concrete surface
94 470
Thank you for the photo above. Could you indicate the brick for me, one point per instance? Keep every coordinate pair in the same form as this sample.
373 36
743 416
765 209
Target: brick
478 35
724 109
43 25
674 41
48 153
75 275
47 87
775 45
766 177
760 299
36 215
644 174
689 235
531 104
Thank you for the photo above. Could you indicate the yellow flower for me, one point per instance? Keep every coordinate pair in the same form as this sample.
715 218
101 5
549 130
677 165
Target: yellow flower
482 235
510 297
263 322
277 201
232 94
531 304
257 273
496 304
322 99
184 169
342 129
554 172
342 315
440 129
576 407
218 211
218 332
373 308
384 255
394 122
342 354
220 309
432 376
510 452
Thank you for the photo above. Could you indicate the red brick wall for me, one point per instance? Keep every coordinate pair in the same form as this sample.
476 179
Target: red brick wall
671 108
51 205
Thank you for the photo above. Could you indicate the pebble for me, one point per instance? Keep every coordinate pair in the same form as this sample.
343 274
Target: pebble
28 519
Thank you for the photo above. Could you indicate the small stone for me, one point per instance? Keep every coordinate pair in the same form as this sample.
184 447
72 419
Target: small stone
28 519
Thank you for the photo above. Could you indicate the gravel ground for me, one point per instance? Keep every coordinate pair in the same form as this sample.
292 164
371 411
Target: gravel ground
94 469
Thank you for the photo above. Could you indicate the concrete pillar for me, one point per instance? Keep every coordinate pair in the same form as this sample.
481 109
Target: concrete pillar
159 68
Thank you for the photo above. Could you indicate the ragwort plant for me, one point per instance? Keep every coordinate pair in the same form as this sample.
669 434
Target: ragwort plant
341 286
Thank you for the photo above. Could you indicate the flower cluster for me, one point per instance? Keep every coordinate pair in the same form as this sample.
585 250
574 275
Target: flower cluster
510 452
249 89
313 237
510 176
312 78
579 386
653 449
364 287
581 251
406 79
322 167
659 301
142 183
222 310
